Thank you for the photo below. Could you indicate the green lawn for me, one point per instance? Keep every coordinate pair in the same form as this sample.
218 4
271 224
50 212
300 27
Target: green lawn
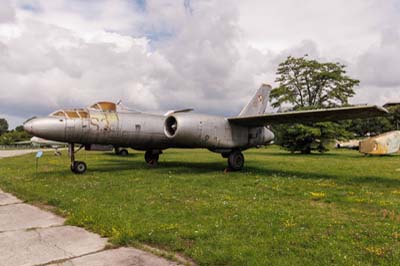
340 208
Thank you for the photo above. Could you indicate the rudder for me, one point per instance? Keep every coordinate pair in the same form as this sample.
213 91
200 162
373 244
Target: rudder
258 103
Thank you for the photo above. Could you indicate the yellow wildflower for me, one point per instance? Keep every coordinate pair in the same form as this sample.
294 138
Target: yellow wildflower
317 195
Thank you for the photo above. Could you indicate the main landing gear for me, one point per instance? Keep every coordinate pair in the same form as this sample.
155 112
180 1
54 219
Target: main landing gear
121 152
76 166
235 160
151 157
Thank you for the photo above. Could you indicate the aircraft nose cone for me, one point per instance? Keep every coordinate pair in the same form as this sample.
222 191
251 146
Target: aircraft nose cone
47 127
28 126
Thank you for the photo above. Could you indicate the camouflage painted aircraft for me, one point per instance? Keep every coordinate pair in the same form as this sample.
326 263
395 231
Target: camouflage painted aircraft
106 123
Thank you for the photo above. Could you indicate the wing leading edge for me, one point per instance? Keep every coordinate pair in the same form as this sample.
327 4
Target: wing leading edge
321 115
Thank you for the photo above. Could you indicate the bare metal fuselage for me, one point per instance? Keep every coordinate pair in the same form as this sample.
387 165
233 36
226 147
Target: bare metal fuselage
107 123
148 131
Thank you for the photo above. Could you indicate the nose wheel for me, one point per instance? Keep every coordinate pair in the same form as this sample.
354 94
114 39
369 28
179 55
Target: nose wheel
77 167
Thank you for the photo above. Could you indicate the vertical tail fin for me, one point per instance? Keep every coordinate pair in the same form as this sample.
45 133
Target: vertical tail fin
258 103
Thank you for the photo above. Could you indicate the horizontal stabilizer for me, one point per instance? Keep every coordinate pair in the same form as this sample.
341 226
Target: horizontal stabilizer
320 115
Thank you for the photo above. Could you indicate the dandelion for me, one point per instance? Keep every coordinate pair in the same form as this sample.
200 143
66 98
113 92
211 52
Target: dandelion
289 224
376 251
317 195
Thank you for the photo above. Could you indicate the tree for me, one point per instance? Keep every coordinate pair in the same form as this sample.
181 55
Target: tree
19 128
309 84
377 125
372 126
14 136
306 138
3 126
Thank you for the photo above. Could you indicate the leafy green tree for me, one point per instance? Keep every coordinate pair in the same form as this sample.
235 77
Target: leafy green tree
377 125
308 84
373 126
14 136
19 128
395 117
3 126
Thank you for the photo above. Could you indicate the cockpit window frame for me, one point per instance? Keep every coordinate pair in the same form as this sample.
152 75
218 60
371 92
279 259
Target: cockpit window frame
72 113
104 106
58 114
83 114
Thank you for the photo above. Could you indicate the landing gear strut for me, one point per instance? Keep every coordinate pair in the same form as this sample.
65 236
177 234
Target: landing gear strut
76 166
235 160
151 157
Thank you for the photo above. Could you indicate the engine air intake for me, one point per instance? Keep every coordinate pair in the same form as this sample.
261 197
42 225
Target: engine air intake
171 125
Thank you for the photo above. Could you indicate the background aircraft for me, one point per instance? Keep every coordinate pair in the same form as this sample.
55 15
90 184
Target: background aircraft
105 123
36 141
40 142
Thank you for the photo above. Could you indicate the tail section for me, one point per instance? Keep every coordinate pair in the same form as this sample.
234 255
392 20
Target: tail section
258 103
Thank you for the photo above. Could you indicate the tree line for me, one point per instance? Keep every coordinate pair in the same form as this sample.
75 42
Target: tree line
8 137
305 84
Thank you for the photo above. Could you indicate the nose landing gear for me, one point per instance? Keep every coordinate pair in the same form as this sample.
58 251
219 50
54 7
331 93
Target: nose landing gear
77 167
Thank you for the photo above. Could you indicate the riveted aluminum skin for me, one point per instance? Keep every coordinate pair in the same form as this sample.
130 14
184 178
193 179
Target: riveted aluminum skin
52 128
145 131
214 132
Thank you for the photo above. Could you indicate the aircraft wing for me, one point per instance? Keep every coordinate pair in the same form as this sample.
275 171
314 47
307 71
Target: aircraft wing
320 115
178 111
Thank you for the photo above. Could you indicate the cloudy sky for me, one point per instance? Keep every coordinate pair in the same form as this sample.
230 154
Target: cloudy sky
167 54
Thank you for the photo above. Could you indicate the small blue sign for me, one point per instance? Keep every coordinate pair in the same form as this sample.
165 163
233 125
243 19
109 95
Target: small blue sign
39 154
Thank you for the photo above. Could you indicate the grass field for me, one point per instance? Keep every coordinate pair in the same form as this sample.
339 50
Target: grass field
339 208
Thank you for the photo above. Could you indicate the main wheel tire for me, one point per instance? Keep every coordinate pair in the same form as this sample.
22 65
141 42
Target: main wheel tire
123 152
236 161
79 167
151 158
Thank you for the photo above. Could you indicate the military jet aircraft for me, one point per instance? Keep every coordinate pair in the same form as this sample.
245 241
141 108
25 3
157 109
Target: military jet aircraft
105 123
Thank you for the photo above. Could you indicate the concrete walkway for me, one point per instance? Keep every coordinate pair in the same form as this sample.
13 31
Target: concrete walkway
31 236
11 153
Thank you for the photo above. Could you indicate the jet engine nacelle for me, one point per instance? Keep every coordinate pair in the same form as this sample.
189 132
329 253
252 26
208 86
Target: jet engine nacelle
192 130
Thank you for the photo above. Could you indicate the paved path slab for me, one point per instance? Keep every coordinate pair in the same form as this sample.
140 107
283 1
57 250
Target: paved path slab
45 245
24 216
118 257
12 153
30 236
6 199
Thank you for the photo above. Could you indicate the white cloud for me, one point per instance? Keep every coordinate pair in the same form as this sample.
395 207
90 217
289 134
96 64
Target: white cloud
7 11
378 69
379 65
210 55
